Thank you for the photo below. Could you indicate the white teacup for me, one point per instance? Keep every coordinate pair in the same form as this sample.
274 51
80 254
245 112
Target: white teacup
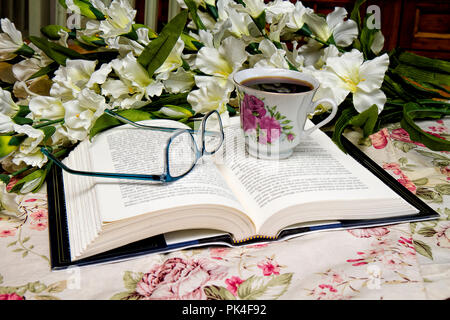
274 123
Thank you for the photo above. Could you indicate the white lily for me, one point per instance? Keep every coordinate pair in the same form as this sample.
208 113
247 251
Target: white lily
34 138
24 69
252 7
71 79
133 84
119 18
344 32
35 158
224 61
179 81
81 113
7 105
278 10
293 56
6 123
173 61
378 43
232 20
349 73
42 107
210 96
10 40
315 55
297 17
125 45
197 2
271 56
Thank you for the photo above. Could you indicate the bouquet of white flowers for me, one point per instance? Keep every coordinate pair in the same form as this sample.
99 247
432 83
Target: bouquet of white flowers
55 89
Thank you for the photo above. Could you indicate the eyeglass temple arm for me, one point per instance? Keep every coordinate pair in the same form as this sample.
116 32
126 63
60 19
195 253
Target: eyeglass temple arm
143 126
138 125
102 174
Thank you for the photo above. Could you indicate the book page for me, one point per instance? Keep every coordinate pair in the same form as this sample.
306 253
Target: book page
317 172
140 151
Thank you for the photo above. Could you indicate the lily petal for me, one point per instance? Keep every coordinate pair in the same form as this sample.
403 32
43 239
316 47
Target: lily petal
372 73
363 100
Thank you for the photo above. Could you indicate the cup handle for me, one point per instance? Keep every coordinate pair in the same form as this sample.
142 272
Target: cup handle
327 119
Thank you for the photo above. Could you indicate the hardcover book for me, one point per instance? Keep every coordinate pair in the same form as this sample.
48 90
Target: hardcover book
229 199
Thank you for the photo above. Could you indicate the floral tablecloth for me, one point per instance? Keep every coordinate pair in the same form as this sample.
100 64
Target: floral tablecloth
403 261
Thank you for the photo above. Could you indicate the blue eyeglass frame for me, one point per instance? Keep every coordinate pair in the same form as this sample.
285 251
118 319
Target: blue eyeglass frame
165 176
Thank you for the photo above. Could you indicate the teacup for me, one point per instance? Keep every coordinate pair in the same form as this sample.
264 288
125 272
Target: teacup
274 106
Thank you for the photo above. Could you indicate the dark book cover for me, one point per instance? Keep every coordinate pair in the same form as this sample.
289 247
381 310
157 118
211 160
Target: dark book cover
59 237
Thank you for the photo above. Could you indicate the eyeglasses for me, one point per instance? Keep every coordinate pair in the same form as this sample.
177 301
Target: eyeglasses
180 155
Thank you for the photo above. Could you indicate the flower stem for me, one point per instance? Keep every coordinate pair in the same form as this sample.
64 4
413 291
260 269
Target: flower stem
41 125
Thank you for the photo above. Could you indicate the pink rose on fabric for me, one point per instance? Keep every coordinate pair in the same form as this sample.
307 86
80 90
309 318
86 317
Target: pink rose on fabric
443 235
268 267
40 215
403 135
11 296
380 139
233 283
408 184
270 130
178 279
395 167
7 233
254 105
369 232
218 253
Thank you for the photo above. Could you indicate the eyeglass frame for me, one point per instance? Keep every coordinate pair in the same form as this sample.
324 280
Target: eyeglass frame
165 176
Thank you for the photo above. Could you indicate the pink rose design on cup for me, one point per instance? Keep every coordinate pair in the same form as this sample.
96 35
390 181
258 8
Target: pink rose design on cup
254 105
270 130
263 122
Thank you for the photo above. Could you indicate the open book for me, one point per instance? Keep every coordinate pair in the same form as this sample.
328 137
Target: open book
230 192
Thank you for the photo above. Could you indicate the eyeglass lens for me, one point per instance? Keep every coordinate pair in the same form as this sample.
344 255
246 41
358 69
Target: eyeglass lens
182 154
212 137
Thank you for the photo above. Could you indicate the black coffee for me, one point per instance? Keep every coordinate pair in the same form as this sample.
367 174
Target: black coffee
278 84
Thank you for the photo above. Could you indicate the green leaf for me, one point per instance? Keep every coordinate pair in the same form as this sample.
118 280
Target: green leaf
43 44
105 121
427 231
355 14
51 31
157 51
5 147
45 70
151 33
192 7
443 188
22 120
25 50
350 117
88 10
16 140
30 182
218 293
176 112
266 287
131 279
421 181
93 41
423 249
412 111
189 42
260 21
429 195
63 3
421 62
48 132
5 178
